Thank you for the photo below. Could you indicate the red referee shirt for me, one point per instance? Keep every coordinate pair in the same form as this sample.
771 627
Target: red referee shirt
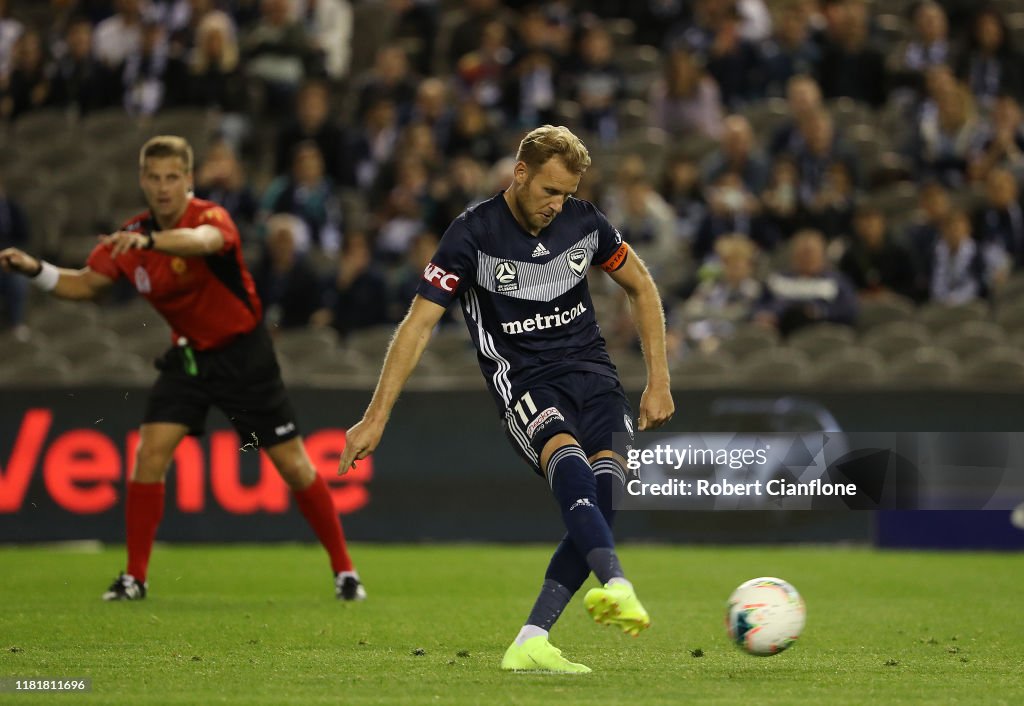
207 300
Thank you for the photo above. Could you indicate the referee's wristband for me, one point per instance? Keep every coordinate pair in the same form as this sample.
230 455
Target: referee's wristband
47 277
149 242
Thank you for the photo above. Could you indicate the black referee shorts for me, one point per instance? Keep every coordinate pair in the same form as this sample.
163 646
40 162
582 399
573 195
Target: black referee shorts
242 379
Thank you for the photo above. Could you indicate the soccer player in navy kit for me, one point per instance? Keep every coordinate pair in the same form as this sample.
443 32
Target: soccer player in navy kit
518 264
184 256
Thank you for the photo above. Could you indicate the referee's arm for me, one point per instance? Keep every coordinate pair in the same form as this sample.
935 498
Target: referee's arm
182 242
62 282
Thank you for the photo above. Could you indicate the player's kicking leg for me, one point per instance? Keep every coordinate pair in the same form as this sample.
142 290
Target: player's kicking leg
615 603
585 496
315 503
144 506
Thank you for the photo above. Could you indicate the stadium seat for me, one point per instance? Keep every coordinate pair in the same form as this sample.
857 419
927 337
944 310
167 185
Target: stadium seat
116 367
372 342
889 30
895 200
821 340
304 344
1011 317
57 154
1011 291
777 366
59 318
766 116
639 59
10 152
135 317
22 183
371 27
852 366
109 123
82 179
749 340
939 317
331 362
621 30
194 124
88 217
452 341
894 338
42 126
47 216
567 112
85 343
878 311
147 342
847 112
634 114
651 144
17 350
1001 366
970 338
925 366
704 370
41 371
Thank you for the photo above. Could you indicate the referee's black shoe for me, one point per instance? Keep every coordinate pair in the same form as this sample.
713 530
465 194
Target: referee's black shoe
348 587
125 588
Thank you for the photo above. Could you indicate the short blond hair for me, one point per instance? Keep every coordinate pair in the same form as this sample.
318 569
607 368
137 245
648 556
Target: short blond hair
547 141
167 146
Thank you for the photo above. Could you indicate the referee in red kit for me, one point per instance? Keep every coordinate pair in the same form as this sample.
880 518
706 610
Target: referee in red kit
184 256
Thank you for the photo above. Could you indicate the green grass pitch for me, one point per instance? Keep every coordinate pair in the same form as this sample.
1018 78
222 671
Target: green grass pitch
259 625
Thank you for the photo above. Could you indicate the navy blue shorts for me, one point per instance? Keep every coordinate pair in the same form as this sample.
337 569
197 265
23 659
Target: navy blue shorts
589 406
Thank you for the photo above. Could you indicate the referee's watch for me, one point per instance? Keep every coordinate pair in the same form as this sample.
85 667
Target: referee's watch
149 241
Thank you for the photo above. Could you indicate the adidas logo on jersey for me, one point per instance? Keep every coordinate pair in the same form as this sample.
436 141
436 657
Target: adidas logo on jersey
540 251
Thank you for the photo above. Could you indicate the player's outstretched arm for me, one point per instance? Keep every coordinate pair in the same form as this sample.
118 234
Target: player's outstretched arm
62 282
656 405
404 352
183 242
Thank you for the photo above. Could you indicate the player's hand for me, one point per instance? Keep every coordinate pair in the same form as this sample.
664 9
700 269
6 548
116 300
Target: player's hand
360 441
14 260
656 407
123 240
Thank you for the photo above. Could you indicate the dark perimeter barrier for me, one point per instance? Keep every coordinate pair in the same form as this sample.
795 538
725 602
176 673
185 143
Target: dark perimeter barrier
444 471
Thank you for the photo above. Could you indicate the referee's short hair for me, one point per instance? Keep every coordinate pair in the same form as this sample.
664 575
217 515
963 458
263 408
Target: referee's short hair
167 146
547 141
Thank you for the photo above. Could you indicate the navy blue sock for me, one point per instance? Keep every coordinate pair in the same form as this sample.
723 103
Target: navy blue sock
576 491
568 567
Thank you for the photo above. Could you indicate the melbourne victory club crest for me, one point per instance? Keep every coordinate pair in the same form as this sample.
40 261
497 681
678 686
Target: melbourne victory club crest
577 259
506 276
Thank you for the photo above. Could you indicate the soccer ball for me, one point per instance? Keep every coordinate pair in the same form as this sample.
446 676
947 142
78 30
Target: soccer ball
765 616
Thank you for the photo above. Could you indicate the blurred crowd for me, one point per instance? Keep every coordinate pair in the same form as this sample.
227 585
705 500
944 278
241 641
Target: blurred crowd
773 162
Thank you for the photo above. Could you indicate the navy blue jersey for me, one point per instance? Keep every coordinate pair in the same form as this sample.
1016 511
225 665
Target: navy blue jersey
525 297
